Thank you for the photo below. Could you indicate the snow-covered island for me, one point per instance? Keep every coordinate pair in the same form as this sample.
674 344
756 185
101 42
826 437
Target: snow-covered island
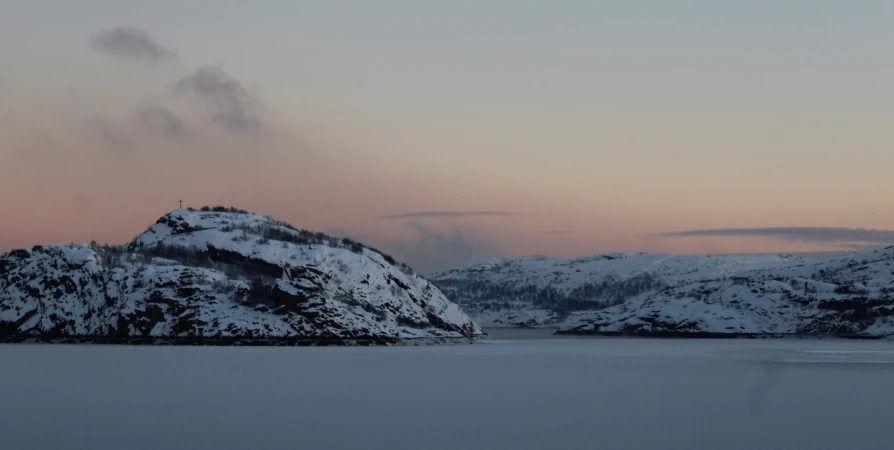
638 294
222 276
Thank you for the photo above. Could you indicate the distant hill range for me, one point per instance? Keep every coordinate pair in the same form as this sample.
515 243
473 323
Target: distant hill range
676 295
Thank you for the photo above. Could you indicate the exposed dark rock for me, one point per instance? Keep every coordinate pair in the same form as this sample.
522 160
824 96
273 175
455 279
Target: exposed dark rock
20 253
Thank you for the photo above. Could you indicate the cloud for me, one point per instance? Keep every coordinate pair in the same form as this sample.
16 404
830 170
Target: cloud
435 250
129 43
555 232
445 214
829 235
110 135
147 122
159 121
231 102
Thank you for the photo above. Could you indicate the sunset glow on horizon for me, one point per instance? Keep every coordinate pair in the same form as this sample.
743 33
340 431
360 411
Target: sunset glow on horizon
449 131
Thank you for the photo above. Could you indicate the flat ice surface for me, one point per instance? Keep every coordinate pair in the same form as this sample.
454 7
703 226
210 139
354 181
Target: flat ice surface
503 394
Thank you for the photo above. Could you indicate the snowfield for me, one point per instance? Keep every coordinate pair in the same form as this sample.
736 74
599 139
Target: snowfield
222 277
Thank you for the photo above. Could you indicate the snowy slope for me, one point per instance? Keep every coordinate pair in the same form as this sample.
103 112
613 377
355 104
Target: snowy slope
543 291
848 296
205 275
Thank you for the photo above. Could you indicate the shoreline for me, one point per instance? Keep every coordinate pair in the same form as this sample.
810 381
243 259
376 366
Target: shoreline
361 341
557 333
713 335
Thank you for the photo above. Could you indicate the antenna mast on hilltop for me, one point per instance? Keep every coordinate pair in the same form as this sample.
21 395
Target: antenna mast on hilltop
181 204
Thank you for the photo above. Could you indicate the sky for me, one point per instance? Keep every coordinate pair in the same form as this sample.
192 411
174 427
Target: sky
446 131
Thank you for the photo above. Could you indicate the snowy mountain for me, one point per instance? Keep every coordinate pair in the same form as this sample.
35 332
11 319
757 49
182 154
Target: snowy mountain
542 291
849 296
674 295
222 276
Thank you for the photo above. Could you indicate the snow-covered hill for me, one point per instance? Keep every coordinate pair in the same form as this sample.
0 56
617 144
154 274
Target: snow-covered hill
673 295
222 276
542 291
848 296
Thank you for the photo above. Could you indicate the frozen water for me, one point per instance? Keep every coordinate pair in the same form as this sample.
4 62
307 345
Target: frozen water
502 394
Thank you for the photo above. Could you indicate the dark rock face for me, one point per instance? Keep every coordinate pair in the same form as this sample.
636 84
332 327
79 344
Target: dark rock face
20 254
177 224
256 264
234 292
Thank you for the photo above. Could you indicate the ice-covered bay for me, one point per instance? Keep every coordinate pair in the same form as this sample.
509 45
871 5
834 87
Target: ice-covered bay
510 393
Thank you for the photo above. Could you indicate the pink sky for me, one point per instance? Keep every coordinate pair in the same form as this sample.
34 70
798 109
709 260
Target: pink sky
590 148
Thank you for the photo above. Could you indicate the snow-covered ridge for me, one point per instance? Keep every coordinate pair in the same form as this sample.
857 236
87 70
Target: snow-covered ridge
850 296
674 295
222 275
542 291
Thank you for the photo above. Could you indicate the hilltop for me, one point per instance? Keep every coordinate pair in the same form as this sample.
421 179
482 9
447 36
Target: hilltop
222 276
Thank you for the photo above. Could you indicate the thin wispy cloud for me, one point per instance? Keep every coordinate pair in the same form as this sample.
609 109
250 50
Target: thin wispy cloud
221 98
828 235
555 232
110 135
232 104
129 43
445 214
160 121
